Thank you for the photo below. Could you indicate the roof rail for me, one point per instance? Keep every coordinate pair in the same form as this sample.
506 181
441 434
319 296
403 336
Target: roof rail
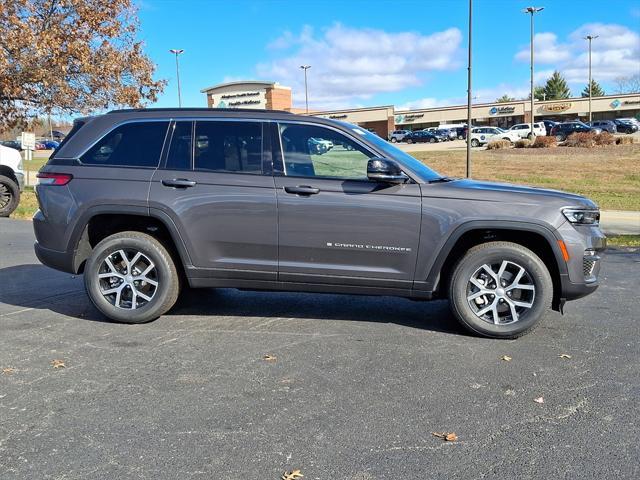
197 109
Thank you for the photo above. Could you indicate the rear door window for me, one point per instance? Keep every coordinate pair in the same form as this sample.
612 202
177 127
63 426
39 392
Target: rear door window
180 146
136 144
228 146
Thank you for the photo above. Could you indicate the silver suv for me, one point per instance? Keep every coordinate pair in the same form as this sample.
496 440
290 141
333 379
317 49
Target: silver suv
398 135
145 202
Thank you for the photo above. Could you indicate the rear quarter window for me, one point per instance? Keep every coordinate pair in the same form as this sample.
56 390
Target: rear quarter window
136 144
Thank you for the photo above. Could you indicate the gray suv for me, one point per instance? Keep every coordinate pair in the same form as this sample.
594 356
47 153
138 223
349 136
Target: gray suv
145 202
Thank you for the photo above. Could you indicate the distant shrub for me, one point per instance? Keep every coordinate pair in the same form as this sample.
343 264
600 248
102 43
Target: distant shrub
545 142
498 144
605 138
522 143
624 141
581 139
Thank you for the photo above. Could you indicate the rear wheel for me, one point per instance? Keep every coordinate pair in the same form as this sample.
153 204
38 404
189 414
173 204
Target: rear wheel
500 290
393 140
131 278
432 140
560 138
409 140
9 196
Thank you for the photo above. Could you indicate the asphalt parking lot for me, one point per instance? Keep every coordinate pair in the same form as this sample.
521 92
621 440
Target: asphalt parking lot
355 390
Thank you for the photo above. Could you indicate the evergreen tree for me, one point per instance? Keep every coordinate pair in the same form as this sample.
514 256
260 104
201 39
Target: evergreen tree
556 87
505 98
538 93
596 90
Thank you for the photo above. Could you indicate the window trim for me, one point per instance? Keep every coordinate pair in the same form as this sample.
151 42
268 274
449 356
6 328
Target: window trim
282 164
116 126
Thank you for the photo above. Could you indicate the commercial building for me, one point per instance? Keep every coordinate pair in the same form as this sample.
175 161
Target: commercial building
385 119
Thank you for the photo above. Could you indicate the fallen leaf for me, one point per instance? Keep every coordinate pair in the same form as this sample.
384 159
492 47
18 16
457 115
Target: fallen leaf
292 475
539 400
564 355
269 358
506 358
8 371
447 437
58 364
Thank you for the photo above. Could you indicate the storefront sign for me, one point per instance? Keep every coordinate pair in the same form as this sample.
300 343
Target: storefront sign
244 102
615 104
631 102
243 94
506 110
338 117
412 117
556 107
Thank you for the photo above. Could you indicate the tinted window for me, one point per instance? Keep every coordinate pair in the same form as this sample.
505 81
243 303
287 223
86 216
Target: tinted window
311 151
136 144
180 148
228 147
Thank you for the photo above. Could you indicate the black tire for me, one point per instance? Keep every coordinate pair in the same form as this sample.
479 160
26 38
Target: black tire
530 137
475 142
9 196
409 140
393 140
432 140
560 138
166 274
492 253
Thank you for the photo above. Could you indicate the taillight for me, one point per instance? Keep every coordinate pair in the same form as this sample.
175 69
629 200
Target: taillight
53 178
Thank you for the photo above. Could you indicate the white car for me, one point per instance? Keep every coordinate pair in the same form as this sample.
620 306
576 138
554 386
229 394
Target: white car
524 130
11 180
483 135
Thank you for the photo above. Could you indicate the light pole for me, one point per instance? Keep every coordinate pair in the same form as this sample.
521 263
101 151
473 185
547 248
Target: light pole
532 11
469 96
306 90
177 52
590 37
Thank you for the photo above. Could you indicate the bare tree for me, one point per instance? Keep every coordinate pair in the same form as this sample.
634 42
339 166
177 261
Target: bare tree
630 84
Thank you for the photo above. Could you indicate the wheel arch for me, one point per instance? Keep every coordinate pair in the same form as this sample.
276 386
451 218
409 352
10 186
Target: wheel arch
8 172
104 220
536 237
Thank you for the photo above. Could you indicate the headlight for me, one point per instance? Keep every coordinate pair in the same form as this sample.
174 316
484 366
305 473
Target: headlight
582 216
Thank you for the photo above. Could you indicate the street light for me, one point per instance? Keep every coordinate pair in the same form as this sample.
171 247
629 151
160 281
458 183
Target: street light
177 52
469 97
590 37
532 11
306 91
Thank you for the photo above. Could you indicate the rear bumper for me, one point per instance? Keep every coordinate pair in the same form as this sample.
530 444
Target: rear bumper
52 258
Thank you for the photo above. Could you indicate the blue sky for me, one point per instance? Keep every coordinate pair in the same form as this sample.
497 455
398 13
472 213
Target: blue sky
410 53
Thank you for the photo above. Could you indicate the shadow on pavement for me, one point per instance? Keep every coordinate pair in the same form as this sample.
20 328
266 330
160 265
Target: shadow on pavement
38 287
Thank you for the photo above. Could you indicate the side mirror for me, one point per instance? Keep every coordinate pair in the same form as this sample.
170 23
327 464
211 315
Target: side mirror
384 170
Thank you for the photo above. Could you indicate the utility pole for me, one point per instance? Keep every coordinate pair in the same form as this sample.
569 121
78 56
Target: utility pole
589 38
532 11
177 52
469 95
306 90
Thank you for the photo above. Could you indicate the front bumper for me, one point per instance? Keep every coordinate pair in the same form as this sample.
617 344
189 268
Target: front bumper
20 179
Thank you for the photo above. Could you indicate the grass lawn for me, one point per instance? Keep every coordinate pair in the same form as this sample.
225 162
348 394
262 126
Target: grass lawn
28 205
624 241
608 175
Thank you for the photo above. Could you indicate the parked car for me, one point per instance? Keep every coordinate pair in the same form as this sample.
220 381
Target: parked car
548 125
461 133
11 180
317 147
398 135
603 125
442 134
631 120
483 135
562 130
524 129
240 212
625 127
58 135
421 136
12 144
50 144
451 132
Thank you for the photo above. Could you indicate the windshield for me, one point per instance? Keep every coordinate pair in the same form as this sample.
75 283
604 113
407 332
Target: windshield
394 153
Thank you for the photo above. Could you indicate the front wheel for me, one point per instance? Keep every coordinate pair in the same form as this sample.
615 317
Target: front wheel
500 290
409 140
475 142
432 140
131 278
9 196
393 140
560 138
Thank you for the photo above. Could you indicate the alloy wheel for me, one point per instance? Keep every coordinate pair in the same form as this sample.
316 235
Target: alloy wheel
501 293
5 195
128 279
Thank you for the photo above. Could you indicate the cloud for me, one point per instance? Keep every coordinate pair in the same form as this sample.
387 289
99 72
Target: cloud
615 53
353 64
481 95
